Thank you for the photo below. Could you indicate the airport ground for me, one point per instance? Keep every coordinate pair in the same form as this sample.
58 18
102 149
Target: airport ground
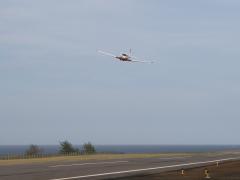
225 171
125 166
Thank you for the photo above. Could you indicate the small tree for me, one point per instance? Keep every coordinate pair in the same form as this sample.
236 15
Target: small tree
67 147
88 148
33 150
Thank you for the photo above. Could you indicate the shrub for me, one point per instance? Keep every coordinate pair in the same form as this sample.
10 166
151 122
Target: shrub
88 148
66 147
33 150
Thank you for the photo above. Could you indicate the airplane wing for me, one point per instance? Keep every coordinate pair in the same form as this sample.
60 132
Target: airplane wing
106 53
141 61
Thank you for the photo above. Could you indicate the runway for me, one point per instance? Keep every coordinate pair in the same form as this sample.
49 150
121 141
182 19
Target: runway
106 169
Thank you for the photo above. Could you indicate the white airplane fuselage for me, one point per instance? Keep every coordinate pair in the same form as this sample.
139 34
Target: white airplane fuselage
124 57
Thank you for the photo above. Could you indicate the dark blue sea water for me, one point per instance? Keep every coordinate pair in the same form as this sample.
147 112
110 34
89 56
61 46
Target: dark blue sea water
52 149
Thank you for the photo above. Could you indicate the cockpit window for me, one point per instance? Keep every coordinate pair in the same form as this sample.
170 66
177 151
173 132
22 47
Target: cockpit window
124 54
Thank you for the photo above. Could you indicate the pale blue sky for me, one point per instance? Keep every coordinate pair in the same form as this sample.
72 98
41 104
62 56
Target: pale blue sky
54 86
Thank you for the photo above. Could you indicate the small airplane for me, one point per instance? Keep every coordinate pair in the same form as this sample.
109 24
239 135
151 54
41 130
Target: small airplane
125 57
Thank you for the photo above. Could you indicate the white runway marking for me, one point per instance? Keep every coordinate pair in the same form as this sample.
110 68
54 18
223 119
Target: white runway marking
83 164
146 169
171 158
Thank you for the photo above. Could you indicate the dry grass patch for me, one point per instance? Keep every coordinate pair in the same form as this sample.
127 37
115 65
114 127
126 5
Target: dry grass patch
89 157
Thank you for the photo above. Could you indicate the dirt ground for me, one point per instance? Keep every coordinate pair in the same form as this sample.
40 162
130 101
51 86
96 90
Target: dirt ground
225 171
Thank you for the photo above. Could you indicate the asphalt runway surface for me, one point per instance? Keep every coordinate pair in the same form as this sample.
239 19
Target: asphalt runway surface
107 169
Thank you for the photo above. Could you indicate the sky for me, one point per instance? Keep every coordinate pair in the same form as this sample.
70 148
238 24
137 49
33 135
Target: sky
54 86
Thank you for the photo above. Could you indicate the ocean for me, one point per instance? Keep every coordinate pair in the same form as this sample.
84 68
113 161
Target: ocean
53 149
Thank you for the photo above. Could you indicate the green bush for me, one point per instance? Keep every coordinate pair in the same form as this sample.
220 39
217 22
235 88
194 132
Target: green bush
66 148
33 150
88 148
